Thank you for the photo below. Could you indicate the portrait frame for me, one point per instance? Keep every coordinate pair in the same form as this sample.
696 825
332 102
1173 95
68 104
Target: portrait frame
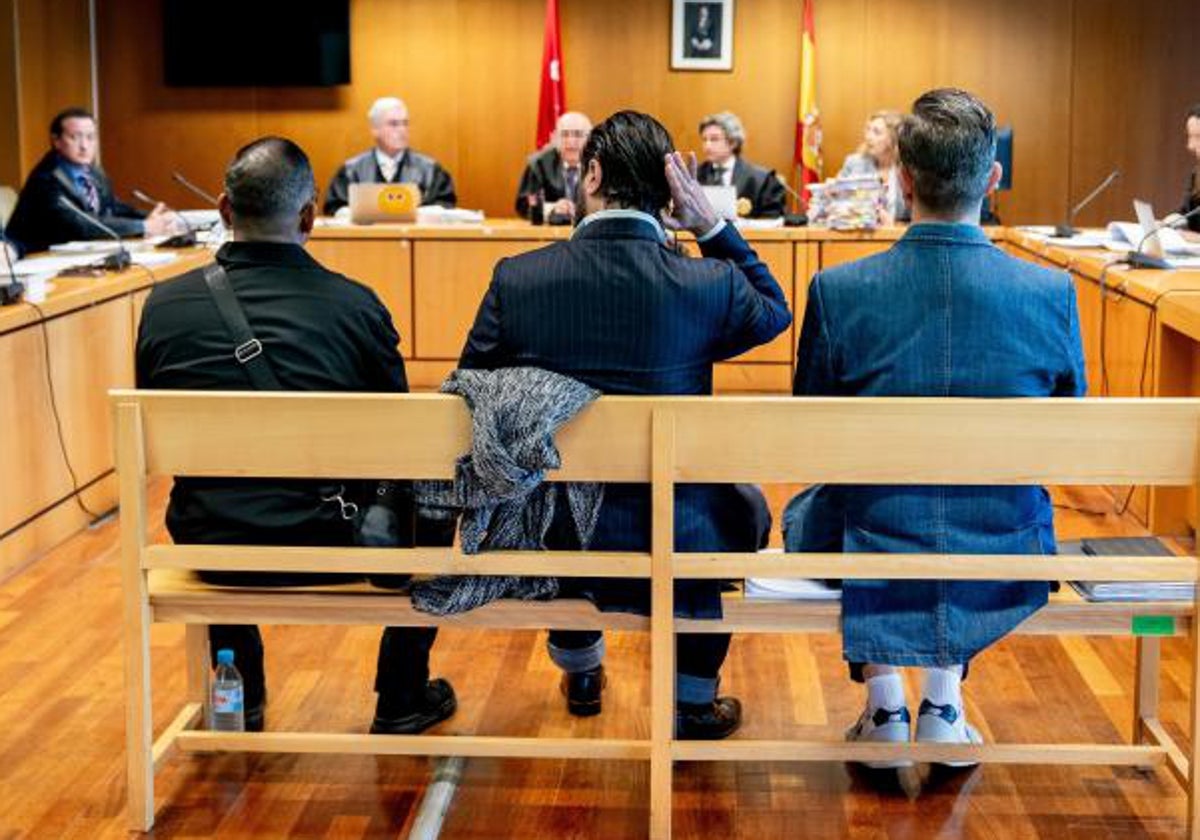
702 34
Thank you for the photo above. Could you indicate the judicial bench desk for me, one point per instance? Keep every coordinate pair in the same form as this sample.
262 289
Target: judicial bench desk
432 279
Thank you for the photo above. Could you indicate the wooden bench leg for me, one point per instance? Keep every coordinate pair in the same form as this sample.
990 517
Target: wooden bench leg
199 669
139 734
1193 814
1149 650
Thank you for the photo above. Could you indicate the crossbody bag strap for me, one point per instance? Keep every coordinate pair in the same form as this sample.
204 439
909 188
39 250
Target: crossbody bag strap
247 350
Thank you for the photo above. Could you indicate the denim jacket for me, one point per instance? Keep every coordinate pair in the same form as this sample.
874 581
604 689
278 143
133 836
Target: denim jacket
943 313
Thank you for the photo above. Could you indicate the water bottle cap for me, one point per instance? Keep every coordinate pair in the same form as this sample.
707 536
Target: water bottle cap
225 657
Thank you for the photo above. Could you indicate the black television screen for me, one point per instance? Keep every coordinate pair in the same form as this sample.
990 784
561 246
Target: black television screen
276 43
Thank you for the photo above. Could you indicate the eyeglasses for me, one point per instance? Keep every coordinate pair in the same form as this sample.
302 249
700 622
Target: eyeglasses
574 134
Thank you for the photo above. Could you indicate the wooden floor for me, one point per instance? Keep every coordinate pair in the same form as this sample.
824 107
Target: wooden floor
62 764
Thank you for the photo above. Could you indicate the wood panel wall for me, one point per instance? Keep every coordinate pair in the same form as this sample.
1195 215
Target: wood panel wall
1086 85
54 58
10 132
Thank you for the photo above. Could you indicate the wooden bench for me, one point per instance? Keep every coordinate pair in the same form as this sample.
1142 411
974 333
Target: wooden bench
660 441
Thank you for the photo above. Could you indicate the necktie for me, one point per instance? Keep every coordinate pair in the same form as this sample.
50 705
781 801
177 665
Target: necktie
90 194
572 182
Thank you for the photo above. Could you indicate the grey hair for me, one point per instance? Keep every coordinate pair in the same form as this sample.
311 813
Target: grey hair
728 122
948 146
382 105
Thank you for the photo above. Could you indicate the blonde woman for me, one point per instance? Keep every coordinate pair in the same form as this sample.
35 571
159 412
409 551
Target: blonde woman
879 155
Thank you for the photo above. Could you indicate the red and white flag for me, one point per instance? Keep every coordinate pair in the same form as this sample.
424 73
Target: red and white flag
553 100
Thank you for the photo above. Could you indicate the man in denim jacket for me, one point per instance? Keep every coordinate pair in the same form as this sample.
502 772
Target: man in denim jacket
944 313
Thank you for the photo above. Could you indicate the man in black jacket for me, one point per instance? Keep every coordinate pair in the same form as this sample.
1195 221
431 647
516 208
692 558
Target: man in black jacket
552 174
759 191
391 161
319 332
69 170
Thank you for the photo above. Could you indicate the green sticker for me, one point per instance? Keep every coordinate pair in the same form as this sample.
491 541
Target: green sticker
1154 625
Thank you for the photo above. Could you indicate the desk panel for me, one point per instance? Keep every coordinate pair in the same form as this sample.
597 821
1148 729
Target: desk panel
383 264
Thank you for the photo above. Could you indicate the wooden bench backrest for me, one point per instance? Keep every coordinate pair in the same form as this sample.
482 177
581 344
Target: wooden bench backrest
749 439
663 441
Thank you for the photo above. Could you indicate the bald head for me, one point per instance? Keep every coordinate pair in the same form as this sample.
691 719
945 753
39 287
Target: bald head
570 134
269 192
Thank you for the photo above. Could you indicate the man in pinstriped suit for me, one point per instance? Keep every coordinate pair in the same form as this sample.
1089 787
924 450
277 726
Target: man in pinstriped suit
620 308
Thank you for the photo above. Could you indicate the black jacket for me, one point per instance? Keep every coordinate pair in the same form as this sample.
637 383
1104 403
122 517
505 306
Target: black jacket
39 221
759 186
320 332
437 187
544 172
1191 200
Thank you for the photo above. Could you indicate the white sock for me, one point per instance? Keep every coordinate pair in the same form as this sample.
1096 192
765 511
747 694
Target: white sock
886 691
943 686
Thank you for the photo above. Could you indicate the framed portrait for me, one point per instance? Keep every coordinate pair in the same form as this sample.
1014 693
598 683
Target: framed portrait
701 34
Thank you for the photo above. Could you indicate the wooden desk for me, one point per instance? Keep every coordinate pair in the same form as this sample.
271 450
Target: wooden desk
88 326
433 277
1146 351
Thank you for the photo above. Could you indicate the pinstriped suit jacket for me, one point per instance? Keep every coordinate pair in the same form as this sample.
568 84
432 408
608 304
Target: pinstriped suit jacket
616 308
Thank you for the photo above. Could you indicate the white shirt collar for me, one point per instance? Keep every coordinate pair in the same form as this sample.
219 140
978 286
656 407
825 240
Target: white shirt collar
621 213
381 158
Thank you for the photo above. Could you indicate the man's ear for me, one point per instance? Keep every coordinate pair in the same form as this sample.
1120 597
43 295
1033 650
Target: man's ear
994 177
308 215
593 178
226 211
906 185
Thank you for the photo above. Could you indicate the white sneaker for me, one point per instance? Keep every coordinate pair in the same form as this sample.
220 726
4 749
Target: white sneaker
889 726
946 725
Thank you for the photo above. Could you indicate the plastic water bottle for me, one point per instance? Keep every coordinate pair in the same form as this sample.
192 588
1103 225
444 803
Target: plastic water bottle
228 707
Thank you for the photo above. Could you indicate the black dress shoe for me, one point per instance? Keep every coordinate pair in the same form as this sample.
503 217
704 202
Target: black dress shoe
708 721
411 714
583 690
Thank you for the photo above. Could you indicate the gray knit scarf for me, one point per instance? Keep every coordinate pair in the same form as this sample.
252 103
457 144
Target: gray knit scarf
498 486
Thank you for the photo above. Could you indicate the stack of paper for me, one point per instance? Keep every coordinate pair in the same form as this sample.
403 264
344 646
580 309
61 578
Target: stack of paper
432 214
1098 590
846 203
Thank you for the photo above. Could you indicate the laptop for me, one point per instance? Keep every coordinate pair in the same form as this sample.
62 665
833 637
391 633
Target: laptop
384 203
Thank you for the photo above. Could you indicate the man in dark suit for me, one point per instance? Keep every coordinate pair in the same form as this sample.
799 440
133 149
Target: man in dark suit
552 175
69 170
621 309
760 193
390 162
319 332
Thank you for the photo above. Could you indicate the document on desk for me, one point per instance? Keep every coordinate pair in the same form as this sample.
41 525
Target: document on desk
51 265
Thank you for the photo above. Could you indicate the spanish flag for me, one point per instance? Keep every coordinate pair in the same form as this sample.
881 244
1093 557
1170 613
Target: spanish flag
552 100
807 154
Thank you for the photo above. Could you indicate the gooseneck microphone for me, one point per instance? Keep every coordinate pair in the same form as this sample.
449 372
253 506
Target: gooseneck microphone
192 188
180 240
1065 230
1138 259
792 219
12 289
116 261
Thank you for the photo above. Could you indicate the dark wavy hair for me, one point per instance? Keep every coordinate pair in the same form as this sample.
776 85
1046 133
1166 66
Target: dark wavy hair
631 147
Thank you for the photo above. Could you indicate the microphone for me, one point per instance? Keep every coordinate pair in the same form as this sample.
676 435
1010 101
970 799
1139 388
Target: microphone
12 289
792 219
1138 259
192 188
118 261
180 240
1065 230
